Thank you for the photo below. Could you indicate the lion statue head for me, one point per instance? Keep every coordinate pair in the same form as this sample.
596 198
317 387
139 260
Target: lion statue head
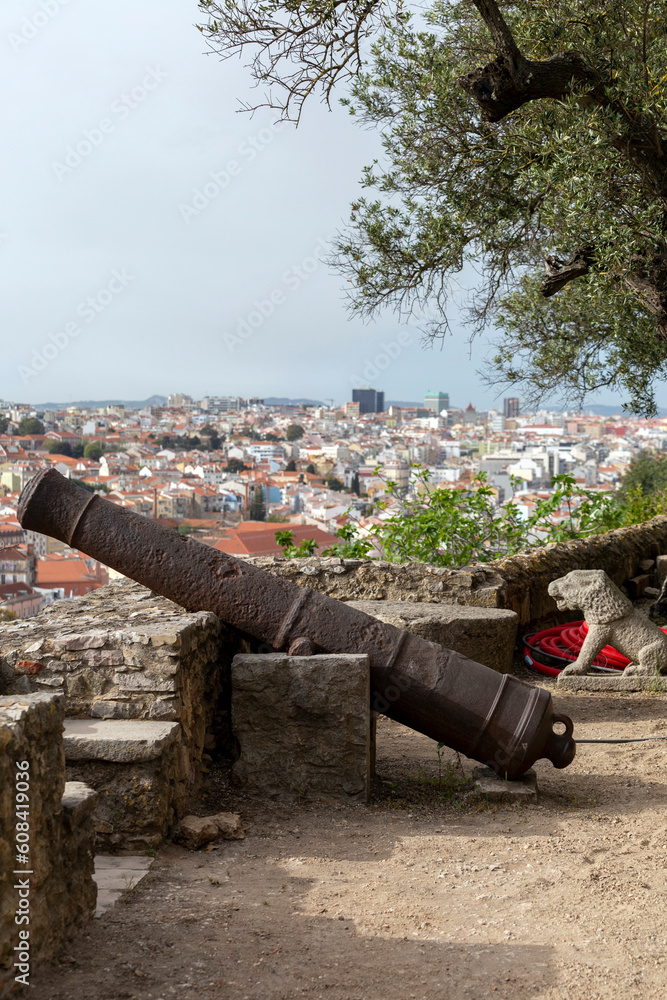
593 592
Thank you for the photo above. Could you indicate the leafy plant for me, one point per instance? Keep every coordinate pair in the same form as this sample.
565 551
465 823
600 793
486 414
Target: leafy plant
285 540
30 425
457 525
454 526
93 450
353 547
294 432
647 470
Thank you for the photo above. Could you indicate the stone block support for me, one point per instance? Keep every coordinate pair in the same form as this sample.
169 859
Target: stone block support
303 724
486 635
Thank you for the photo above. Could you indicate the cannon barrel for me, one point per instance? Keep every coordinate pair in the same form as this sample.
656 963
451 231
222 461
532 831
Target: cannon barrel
494 718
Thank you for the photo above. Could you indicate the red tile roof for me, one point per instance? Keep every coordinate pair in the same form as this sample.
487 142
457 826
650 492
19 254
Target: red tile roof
51 572
257 538
13 553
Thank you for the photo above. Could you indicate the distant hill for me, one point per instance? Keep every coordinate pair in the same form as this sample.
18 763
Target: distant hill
602 410
96 404
284 401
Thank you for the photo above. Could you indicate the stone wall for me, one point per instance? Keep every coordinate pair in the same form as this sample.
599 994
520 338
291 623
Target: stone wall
518 583
370 580
122 652
60 893
143 774
619 553
124 655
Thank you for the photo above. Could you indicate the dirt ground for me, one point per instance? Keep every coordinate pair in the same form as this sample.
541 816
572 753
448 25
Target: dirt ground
422 894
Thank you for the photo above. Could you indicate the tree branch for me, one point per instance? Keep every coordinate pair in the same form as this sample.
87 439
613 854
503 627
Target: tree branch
559 275
511 80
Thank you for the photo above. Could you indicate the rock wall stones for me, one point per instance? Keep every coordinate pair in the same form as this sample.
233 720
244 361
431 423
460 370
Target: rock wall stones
619 553
304 725
370 580
122 652
61 889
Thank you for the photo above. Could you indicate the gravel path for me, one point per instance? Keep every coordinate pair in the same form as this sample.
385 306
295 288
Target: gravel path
424 894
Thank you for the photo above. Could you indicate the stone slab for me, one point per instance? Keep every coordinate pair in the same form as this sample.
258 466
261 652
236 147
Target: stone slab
497 789
116 874
611 682
303 724
120 740
487 635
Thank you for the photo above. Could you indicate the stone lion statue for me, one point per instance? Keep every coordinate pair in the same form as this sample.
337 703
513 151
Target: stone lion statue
612 620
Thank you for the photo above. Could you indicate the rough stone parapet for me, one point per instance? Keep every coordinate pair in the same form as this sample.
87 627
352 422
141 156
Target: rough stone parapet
124 653
376 580
486 635
303 724
61 837
139 802
619 553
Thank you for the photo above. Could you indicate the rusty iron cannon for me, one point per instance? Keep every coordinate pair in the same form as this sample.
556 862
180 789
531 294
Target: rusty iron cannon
494 718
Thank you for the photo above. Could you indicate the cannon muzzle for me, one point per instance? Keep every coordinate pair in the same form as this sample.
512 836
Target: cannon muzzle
494 718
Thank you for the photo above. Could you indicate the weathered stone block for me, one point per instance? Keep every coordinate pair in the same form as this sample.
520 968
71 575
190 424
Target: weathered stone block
229 826
487 635
637 585
142 774
661 566
115 710
60 838
78 802
144 682
165 708
195 831
303 724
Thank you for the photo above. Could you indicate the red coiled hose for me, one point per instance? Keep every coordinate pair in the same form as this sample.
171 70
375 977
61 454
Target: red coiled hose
562 644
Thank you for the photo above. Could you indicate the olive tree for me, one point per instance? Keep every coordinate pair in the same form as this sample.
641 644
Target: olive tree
524 142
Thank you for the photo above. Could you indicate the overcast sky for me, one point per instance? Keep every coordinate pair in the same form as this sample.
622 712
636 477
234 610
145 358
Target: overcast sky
153 240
